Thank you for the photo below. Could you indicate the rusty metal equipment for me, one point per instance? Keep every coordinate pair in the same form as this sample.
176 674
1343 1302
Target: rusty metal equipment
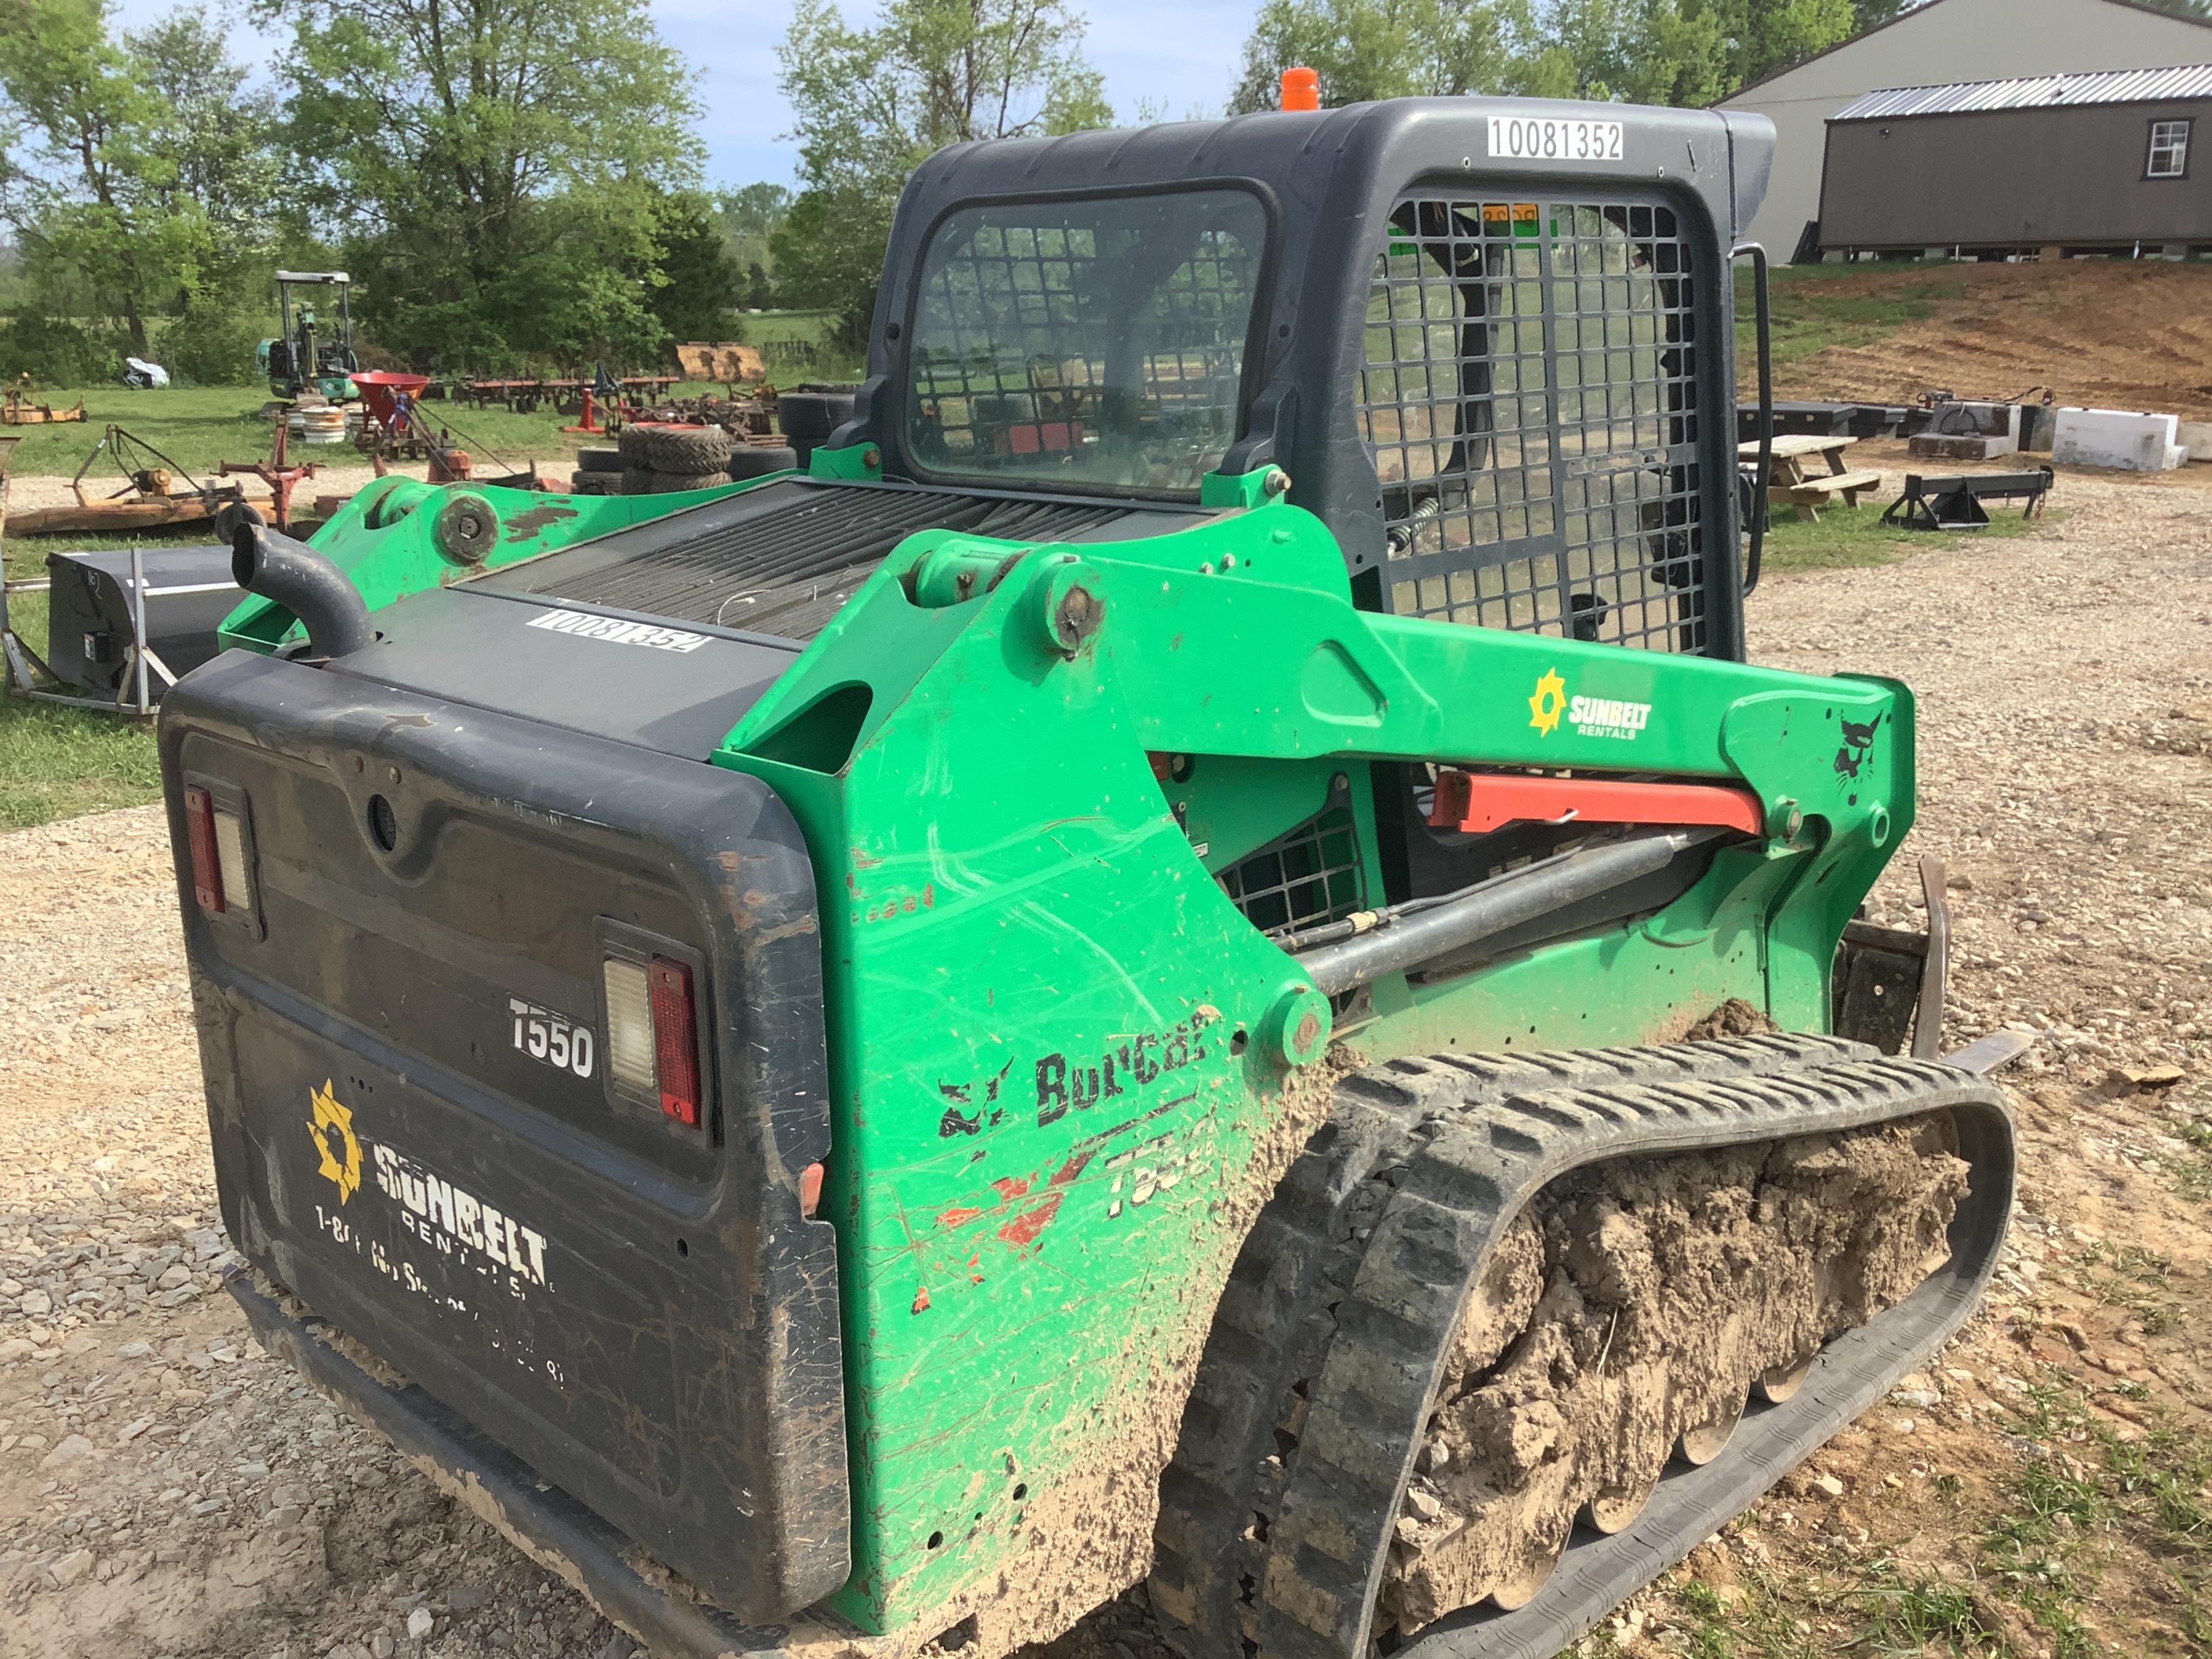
280 475
156 492
111 642
19 408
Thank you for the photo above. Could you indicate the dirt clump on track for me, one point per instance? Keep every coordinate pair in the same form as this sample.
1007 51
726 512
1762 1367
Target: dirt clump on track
2104 333
1629 1311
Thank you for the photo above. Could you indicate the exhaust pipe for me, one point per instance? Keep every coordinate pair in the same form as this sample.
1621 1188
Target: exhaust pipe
275 566
1406 936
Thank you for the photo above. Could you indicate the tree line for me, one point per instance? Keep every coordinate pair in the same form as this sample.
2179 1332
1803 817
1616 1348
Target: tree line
507 181
871 101
519 182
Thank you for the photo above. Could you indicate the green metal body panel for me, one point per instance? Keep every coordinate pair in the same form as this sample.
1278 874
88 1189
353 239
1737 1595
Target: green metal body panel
1028 1211
1049 1026
387 543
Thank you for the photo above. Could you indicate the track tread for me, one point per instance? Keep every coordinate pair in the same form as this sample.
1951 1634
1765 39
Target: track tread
1471 1167
1299 1258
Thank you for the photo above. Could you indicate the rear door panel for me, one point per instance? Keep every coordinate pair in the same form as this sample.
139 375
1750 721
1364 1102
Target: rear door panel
637 1309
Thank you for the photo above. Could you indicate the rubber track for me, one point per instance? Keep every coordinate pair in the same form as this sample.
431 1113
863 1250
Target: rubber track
1273 1327
1483 1159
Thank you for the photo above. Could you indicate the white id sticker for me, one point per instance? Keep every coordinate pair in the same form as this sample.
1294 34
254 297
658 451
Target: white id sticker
1542 138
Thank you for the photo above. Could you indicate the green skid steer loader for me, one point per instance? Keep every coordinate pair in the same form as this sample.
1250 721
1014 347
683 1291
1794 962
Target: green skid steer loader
1194 960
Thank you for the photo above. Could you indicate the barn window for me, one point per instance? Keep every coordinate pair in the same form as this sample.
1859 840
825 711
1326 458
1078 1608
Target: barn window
2169 150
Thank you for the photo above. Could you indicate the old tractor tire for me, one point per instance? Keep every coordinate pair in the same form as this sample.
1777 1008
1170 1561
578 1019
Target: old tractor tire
758 461
582 483
636 481
811 414
598 460
686 451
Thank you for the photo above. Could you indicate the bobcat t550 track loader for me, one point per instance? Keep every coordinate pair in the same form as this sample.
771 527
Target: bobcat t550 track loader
1196 955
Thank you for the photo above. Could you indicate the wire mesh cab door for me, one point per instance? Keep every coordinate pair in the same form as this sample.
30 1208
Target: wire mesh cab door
1530 397
1533 393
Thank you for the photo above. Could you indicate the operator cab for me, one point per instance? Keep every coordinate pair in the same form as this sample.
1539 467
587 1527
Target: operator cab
1489 349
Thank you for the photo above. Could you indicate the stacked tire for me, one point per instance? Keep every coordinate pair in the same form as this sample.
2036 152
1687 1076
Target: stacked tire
661 457
749 460
809 415
598 472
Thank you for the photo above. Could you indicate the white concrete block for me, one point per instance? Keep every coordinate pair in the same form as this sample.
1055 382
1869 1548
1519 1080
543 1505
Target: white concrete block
2196 437
2130 440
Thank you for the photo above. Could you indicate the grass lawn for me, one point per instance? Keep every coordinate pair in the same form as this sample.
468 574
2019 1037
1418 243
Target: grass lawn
1812 313
198 427
1849 536
58 763
823 362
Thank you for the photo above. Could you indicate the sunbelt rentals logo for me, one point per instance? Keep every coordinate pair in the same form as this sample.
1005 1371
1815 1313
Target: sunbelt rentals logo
1589 717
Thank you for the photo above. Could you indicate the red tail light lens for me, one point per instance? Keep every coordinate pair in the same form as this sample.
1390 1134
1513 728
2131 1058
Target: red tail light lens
674 1040
199 831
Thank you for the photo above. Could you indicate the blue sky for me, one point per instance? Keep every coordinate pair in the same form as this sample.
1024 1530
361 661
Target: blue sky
1182 53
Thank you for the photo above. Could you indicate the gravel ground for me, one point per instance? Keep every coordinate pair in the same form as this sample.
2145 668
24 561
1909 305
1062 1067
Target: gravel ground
167 1491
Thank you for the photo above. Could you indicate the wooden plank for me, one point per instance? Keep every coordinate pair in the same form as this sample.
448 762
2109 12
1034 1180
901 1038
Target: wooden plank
123 515
1795 444
1831 484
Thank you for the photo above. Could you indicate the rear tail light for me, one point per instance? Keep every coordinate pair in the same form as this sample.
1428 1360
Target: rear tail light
675 1041
221 880
653 1034
199 831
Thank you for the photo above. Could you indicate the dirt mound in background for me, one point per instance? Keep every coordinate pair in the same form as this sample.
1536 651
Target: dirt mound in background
2106 333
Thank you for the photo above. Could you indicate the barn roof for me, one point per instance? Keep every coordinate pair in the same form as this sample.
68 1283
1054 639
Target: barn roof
2143 86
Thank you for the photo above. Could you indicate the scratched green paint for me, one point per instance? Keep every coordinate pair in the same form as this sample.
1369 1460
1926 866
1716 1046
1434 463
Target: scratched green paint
1009 903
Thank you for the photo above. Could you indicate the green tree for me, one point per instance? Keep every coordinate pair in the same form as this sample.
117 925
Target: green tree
749 215
1657 51
220 138
92 193
760 293
1637 51
871 103
1873 14
1763 37
1370 49
700 281
499 169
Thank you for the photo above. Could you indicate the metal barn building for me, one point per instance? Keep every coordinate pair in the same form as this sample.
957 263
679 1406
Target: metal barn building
2067 162
1945 40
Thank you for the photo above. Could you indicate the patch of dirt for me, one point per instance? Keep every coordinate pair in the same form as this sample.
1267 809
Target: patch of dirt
2104 333
1629 1305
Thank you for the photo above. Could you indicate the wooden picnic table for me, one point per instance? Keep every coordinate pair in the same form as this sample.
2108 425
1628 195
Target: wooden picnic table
1793 477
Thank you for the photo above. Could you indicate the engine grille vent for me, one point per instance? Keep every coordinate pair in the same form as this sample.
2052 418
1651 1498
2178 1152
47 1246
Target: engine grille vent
782 559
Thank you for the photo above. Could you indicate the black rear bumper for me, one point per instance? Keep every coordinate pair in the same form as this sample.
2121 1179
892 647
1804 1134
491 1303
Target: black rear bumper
548 1525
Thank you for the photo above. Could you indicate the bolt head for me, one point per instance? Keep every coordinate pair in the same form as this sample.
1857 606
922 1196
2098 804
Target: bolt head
1296 1028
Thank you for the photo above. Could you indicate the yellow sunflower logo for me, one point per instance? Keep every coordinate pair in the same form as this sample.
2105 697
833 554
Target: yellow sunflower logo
332 1127
1549 702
